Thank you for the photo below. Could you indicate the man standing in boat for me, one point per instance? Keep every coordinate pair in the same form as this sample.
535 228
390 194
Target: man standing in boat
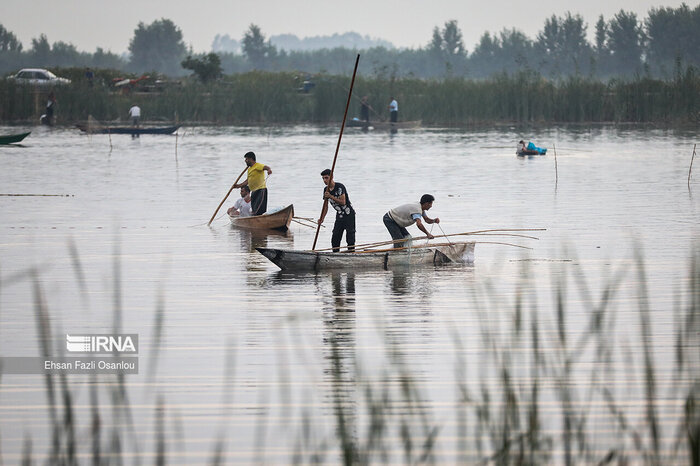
256 183
338 197
393 110
398 218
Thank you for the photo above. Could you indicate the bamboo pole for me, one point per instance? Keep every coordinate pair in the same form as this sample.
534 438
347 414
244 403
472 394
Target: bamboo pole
424 246
467 233
226 196
690 170
556 170
337 147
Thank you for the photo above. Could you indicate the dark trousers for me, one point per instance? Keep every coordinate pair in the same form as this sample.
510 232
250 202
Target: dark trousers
258 201
394 116
395 230
342 224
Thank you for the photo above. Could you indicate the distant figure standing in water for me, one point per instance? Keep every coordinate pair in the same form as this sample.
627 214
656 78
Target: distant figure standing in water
47 118
256 183
364 109
393 110
135 115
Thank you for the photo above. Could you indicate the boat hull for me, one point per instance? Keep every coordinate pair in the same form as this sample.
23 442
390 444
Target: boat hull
285 259
128 129
13 138
384 124
279 220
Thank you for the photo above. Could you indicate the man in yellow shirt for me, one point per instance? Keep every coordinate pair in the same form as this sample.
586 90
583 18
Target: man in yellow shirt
256 183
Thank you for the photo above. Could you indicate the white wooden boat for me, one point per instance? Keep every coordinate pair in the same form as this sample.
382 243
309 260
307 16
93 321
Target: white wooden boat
278 220
287 259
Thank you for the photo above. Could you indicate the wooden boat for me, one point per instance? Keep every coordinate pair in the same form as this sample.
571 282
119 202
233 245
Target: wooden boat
127 129
13 138
285 259
278 220
384 124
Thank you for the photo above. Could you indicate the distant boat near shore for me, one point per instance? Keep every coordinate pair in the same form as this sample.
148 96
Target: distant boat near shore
13 138
127 129
354 123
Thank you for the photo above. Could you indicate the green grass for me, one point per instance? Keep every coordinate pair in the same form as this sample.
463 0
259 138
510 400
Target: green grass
273 98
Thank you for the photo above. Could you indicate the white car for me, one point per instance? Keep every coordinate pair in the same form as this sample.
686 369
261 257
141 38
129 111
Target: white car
39 77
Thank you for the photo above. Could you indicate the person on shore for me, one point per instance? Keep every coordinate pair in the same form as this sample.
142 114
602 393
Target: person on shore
256 183
364 109
47 118
393 110
338 197
135 115
242 206
398 218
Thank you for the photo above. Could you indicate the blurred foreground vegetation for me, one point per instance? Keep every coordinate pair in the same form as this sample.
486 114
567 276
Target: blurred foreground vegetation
549 390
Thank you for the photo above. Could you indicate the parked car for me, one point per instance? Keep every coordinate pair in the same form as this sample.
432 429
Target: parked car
38 77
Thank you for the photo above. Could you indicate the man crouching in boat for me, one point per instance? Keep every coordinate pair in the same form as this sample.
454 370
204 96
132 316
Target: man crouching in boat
256 183
337 195
241 208
398 218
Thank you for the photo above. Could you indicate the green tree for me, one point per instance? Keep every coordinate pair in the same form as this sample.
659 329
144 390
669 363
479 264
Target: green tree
625 40
562 45
8 41
41 50
157 46
207 68
257 50
673 34
447 47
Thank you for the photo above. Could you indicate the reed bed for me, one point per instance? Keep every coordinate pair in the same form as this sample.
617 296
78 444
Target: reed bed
527 406
272 98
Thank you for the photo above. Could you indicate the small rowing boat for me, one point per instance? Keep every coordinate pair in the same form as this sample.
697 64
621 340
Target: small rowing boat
286 259
384 124
13 138
278 220
526 153
127 129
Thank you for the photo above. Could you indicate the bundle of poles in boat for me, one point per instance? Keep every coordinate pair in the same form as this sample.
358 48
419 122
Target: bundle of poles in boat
507 232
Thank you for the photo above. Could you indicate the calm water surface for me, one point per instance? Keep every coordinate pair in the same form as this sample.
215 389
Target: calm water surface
246 352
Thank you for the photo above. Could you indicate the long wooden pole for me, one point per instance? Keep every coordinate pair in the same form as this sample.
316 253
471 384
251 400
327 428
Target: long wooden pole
690 170
337 147
466 233
226 196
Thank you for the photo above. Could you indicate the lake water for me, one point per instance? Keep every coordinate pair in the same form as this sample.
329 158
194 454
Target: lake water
266 361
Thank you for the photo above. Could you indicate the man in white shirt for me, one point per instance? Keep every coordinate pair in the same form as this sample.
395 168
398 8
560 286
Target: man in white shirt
135 115
241 208
394 110
398 218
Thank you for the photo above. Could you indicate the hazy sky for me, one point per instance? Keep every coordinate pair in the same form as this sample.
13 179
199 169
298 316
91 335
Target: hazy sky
407 23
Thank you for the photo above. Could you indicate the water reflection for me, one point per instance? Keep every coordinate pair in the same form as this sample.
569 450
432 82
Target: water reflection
251 239
339 345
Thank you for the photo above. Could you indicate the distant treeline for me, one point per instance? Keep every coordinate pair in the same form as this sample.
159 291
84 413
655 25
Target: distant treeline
270 98
624 46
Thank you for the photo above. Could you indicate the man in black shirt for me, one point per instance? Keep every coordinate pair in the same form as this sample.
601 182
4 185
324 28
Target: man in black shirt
338 197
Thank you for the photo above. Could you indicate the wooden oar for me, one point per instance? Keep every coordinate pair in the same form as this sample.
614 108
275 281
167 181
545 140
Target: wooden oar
477 232
226 196
337 148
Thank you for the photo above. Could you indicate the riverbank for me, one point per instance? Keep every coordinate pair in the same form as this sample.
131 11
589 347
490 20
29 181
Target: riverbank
276 98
